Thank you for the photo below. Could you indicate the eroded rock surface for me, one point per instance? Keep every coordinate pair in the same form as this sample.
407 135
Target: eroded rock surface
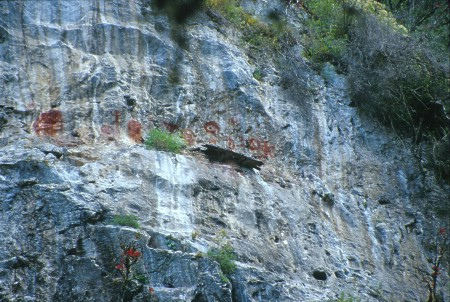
81 83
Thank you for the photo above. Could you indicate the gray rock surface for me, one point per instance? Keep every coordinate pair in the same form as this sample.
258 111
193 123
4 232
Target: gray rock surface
337 207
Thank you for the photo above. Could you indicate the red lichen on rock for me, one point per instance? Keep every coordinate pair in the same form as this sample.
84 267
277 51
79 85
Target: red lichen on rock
230 143
254 144
267 149
171 128
49 123
134 130
117 114
189 137
107 130
212 127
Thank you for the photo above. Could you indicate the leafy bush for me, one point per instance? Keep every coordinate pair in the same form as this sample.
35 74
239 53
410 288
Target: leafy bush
346 298
257 75
254 32
393 77
327 35
163 140
126 220
223 254
397 80
331 21
440 250
427 19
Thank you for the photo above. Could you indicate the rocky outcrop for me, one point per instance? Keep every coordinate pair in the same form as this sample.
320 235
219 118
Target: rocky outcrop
83 81
218 154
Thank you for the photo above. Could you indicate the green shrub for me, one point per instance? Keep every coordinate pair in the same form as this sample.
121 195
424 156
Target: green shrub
404 85
223 254
392 76
254 32
224 278
346 298
163 140
126 220
327 35
330 22
257 75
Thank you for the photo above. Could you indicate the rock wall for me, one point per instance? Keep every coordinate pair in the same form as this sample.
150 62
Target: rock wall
335 208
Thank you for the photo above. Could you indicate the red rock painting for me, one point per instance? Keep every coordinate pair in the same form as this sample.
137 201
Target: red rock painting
171 127
262 148
49 123
213 141
107 130
212 127
189 137
267 149
230 143
254 144
134 130
117 114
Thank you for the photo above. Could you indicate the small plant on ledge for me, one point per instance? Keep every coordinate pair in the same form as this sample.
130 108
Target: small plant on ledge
130 282
441 246
126 220
165 141
130 255
224 255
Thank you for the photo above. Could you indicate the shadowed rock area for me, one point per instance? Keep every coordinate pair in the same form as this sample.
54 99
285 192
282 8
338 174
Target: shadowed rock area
214 153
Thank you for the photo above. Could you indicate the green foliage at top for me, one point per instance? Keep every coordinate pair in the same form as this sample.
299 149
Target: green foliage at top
427 19
163 140
327 37
331 21
377 10
403 84
393 76
126 220
223 254
254 32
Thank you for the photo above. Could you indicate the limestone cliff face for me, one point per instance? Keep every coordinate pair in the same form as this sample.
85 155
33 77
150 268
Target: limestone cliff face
335 207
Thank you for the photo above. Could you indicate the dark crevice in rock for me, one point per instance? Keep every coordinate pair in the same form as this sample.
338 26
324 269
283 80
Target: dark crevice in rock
27 182
3 120
199 297
94 217
218 221
383 201
78 250
208 185
410 225
218 154
320 275
131 102
20 262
